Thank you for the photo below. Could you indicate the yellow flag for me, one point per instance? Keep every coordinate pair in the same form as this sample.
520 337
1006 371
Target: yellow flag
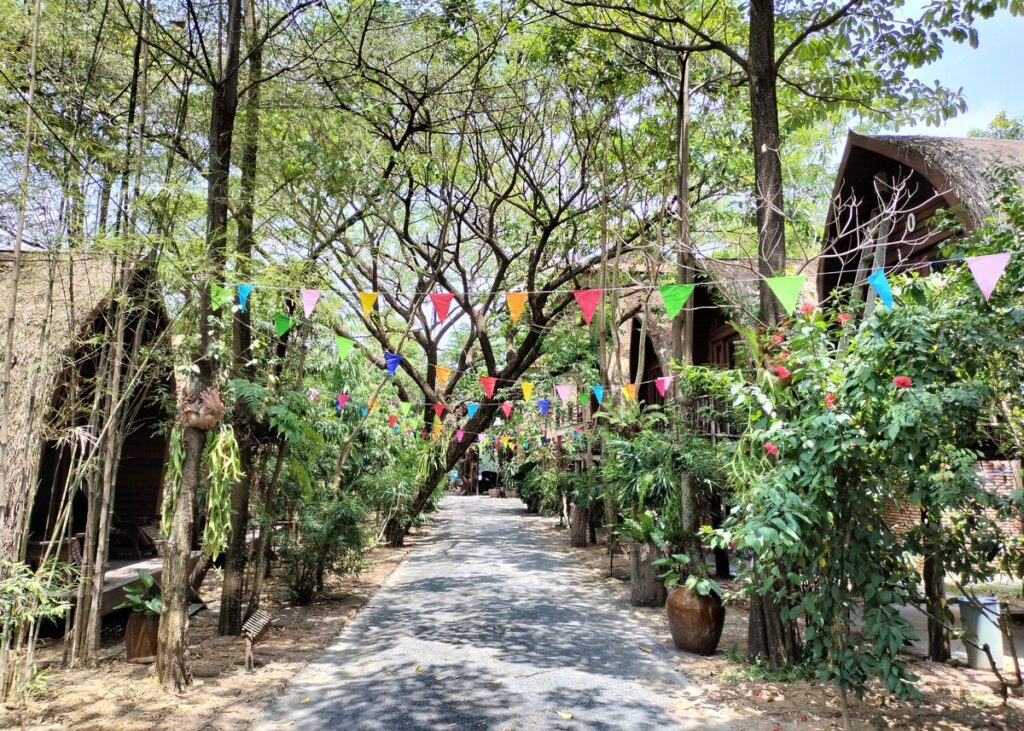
368 299
372 403
527 390
442 375
516 301
505 438
629 391
437 430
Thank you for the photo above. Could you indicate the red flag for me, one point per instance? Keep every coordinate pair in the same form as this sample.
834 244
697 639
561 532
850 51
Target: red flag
588 300
507 409
488 382
392 420
439 409
442 301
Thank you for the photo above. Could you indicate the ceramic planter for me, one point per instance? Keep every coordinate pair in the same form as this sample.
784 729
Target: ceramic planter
695 621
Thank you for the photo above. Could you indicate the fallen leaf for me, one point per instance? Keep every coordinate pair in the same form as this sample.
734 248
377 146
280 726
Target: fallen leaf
307 699
645 649
563 714
419 668
184 707
684 707
286 723
493 660
498 682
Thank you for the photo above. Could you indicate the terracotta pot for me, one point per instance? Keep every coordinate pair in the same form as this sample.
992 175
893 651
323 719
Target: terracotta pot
140 637
695 621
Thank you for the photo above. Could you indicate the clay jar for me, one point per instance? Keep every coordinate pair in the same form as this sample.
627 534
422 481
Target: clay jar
695 621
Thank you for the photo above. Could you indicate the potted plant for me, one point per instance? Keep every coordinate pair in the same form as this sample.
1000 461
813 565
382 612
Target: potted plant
696 614
644 537
140 637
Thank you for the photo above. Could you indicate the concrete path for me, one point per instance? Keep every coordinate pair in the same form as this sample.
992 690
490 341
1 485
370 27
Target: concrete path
487 625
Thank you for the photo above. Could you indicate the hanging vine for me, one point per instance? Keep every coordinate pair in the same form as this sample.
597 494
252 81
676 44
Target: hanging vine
223 468
176 459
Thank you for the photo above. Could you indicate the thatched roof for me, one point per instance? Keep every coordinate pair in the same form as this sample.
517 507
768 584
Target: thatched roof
47 322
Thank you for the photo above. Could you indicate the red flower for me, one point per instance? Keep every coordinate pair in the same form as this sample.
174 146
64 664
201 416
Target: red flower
830 400
844 317
784 355
807 308
902 382
777 338
771 448
782 372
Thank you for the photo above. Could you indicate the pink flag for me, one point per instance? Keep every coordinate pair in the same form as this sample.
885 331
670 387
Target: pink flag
588 300
442 301
342 400
309 299
663 383
488 382
987 270
564 391
459 434
438 409
506 408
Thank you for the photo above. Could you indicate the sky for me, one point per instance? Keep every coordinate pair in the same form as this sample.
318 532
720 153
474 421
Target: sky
992 76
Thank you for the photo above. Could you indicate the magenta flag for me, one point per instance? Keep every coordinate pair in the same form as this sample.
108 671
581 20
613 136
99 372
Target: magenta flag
987 270
309 299
459 434
663 383
488 382
564 391
442 302
588 300
506 408
342 400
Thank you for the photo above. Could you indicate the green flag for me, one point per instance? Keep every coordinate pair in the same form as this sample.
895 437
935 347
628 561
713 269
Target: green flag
344 346
787 290
404 408
674 296
583 398
220 296
282 324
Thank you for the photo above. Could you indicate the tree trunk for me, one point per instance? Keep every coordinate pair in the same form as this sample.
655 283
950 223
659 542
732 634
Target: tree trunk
935 596
764 119
579 523
646 589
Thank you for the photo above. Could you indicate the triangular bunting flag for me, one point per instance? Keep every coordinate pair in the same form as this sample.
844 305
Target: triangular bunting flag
220 296
544 404
442 374
543 441
515 301
342 400
588 300
583 398
436 432
344 346
471 408
675 296
663 383
880 284
987 270
309 299
282 324
505 439
488 383
527 390
372 403
459 434
564 391
629 391
439 409
506 409
368 300
442 302
244 290
392 420
391 361
404 407
363 411
599 394
787 290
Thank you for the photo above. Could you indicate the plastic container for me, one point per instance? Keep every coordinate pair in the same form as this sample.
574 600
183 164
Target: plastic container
981 624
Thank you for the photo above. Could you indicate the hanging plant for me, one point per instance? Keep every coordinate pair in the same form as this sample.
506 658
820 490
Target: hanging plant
223 469
174 465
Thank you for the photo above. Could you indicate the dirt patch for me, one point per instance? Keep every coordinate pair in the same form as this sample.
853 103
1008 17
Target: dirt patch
953 697
120 695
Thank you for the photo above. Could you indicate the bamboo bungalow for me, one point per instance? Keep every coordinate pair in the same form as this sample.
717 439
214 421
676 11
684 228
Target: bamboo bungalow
81 434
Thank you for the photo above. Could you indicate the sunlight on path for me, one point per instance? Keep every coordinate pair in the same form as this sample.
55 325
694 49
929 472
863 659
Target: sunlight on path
485 626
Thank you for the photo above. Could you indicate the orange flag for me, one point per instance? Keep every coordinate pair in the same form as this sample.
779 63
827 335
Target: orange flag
442 375
629 391
516 301
368 299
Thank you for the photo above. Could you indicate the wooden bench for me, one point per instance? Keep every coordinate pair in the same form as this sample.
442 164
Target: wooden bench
151 534
253 630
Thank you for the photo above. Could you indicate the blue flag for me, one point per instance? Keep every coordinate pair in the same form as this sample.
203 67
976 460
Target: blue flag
599 394
881 285
544 404
471 408
244 290
391 360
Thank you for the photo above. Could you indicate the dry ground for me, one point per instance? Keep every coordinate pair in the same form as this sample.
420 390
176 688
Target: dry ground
954 697
123 696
